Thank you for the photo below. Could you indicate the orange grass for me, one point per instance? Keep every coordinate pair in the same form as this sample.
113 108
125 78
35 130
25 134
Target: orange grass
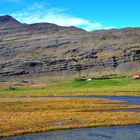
36 115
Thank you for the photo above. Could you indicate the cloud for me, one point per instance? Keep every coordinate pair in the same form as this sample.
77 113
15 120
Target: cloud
41 12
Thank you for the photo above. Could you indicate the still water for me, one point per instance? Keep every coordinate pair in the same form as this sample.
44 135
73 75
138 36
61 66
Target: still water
98 133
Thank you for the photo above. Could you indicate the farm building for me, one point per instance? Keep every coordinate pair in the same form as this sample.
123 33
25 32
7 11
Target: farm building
136 76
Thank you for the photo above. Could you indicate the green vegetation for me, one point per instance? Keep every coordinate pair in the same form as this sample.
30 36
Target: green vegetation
36 115
72 87
27 115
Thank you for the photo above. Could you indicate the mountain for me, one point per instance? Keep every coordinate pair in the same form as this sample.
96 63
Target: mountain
49 49
8 21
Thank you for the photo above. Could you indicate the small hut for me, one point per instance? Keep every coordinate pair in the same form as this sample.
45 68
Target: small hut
136 76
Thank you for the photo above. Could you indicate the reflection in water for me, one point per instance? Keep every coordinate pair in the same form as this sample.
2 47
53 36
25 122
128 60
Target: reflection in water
99 133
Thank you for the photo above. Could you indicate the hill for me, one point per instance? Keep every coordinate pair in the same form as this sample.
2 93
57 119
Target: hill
49 49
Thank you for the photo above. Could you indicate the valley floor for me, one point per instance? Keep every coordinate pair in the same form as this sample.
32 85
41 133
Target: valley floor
38 115
62 86
21 114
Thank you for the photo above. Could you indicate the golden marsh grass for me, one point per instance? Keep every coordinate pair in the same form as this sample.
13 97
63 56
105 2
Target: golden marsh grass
38 115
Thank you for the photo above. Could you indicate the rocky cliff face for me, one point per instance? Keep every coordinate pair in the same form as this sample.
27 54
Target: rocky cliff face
49 49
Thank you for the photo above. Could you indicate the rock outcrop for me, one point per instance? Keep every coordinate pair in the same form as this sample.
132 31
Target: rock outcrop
48 49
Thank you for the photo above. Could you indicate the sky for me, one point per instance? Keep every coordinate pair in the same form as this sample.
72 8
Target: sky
87 14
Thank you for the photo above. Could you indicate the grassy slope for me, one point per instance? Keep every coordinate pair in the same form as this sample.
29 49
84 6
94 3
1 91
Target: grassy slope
68 87
35 115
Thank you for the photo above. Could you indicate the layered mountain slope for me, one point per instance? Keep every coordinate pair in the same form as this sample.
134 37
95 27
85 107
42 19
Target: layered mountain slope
48 49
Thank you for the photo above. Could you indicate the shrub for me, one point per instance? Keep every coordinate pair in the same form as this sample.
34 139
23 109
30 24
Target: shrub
79 79
11 88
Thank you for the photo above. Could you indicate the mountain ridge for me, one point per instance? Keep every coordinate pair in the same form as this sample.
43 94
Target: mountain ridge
49 49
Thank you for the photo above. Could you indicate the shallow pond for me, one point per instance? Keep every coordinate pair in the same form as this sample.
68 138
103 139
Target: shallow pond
130 99
98 133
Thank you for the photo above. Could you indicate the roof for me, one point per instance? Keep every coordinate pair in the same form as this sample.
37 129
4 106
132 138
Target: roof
136 75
